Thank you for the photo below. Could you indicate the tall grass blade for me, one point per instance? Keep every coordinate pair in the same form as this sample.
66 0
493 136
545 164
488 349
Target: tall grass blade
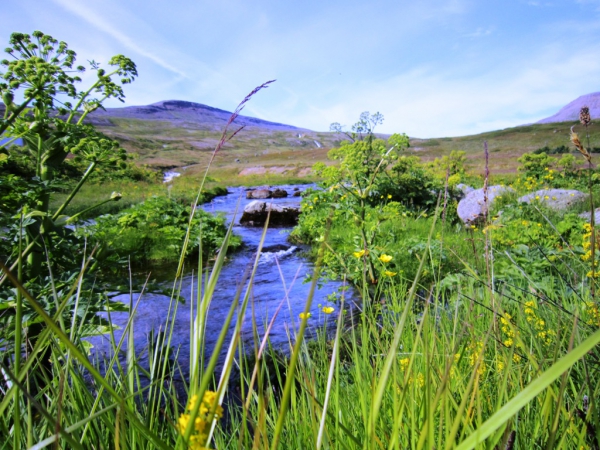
332 366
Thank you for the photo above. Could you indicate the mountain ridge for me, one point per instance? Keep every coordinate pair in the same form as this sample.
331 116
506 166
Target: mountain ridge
570 112
200 115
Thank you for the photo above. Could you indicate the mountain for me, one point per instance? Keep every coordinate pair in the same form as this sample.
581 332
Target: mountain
570 112
201 117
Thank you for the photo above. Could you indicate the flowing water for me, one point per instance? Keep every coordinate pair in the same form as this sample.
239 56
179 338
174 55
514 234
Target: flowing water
278 289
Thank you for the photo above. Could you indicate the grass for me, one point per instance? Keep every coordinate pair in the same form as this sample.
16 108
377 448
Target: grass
181 189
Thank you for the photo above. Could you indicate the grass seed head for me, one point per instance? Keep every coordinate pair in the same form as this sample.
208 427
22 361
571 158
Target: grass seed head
577 143
584 116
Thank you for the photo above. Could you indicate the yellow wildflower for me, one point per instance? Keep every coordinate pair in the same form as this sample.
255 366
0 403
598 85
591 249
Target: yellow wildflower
420 380
360 253
328 309
203 419
538 324
385 258
404 363
389 273
592 312
476 351
304 315
499 363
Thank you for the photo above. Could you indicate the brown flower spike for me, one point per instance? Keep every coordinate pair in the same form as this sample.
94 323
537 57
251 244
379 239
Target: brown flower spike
584 116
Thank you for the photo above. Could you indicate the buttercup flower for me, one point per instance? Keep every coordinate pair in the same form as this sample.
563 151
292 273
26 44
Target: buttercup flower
389 273
360 253
328 309
304 315
385 258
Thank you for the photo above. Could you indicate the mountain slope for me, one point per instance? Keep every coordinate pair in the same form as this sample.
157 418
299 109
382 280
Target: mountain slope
570 112
196 115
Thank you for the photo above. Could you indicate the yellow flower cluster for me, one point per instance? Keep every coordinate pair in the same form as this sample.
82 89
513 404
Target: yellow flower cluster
586 241
420 380
530 183
203 420
550 175
404 363
592 314
509 335
587 246
476 349
507 330
538 324
499 363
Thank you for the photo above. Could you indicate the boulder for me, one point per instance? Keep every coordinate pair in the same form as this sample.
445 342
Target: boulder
259 193
586 216
472 208
463 189
279 193
557 199
275 248
255 214
297 194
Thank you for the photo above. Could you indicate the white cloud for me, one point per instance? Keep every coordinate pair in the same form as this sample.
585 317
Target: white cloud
98 22
480 32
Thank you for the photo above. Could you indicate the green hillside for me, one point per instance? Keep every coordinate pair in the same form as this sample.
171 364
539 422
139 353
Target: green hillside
255 152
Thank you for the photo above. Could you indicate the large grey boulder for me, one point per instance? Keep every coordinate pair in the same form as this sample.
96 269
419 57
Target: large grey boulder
472 208
255 214
557 199
259 193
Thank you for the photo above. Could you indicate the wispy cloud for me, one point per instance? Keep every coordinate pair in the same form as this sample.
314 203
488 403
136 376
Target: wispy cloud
480 32
92 17
428 102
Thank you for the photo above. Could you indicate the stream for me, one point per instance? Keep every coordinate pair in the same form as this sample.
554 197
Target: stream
278 285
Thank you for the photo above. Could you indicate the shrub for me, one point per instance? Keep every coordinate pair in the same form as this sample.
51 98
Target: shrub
155 230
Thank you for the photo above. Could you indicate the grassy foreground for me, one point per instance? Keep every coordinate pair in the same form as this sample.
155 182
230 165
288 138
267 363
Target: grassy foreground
468 363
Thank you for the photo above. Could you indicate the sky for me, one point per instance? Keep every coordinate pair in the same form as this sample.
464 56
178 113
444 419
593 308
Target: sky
433 68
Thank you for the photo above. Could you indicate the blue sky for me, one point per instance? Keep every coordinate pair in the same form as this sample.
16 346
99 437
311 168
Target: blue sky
431 67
